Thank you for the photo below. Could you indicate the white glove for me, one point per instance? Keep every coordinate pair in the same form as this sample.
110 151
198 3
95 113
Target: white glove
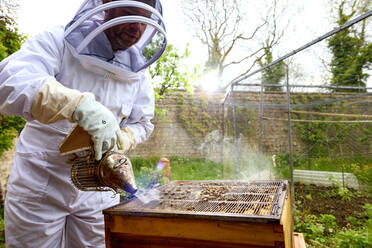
101 124
129 140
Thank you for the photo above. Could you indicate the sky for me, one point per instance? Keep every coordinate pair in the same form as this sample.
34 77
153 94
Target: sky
309 20
37 15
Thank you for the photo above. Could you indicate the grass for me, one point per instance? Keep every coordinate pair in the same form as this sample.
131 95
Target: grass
195 169
360 166
182 168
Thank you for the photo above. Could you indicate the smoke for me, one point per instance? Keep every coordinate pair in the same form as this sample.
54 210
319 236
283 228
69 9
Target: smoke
241 161
149 196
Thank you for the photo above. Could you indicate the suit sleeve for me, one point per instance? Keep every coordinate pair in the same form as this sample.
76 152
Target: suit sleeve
139 120
24 72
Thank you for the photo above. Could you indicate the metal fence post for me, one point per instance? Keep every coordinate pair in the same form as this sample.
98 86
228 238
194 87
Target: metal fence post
261 118
236 148
222 132
290 133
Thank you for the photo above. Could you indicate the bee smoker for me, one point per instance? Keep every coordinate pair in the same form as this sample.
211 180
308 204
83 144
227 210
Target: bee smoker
113 172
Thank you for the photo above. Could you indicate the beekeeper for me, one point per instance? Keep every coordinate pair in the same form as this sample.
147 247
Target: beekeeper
91 73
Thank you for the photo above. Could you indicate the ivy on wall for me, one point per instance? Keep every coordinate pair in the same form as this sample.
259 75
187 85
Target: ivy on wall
247 123
199 115
329 139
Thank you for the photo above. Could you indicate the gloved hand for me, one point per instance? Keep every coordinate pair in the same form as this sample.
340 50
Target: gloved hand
129 141
101 124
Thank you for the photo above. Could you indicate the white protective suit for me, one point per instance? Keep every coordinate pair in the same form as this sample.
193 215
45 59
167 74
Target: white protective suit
41 200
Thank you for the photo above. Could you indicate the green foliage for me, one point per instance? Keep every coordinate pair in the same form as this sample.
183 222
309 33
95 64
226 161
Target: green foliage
309 225
360 166
182 168
10 42
195 169
247 123
282 169
353 238
166 72
351 52
10 39
322 230
368 214
325 138
199 116
138 162
354 221
337 191
10 127
345 194
273 74
329 223
145 172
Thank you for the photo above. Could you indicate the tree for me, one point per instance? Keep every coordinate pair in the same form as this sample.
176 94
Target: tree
166 72
10 42
10 38
273 74
219 25
351 52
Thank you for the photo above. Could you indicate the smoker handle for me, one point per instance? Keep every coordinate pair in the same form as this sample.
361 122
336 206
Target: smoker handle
77 140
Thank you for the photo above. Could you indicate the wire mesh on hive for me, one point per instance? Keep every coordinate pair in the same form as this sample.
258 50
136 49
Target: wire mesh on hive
112 173
262 200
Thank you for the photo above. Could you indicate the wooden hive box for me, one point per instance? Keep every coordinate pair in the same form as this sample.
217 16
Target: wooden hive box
134 225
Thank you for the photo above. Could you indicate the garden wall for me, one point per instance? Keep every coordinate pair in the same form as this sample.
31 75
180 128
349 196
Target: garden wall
173 136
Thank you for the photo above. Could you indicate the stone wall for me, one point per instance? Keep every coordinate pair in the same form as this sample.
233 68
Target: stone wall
171 138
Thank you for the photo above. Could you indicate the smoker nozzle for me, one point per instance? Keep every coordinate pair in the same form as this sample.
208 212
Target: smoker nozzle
117 172
130 189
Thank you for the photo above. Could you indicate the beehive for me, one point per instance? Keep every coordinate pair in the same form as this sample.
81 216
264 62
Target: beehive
204 214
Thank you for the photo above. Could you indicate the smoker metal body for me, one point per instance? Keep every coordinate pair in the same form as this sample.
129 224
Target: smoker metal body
204 214
113 172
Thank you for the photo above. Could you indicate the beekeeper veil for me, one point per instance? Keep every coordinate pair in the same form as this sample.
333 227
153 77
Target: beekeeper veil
117 35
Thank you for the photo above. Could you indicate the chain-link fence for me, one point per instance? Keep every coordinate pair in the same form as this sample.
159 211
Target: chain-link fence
310 110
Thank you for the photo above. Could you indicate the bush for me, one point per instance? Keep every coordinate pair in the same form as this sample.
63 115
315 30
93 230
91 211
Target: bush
322 230
10 127
309 225
349 238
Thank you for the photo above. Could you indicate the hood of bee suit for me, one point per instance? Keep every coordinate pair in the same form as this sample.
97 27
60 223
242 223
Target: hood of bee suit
117 36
